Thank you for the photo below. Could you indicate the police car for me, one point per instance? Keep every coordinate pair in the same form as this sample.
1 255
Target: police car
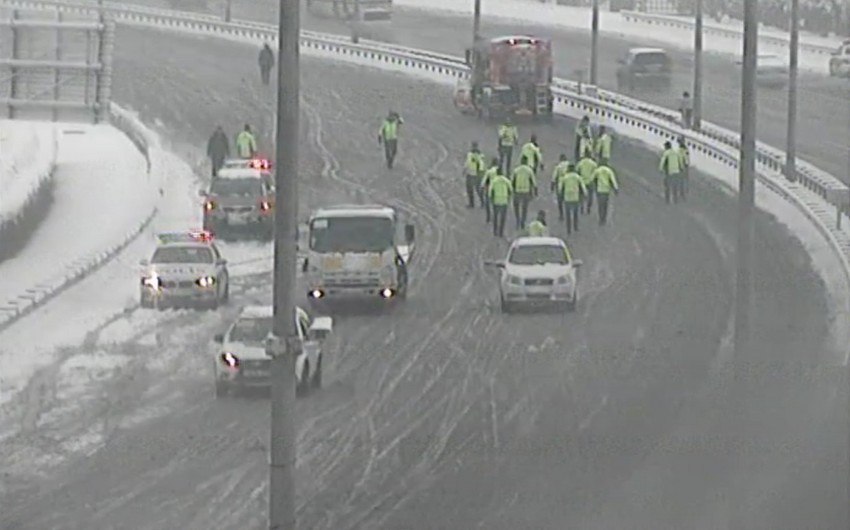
186 269
839 60
538 271
241 361
240 199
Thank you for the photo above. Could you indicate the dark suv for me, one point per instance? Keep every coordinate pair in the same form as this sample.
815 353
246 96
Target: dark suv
645 68
239 201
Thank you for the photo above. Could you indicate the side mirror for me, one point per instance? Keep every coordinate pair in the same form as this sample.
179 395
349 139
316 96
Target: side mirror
321 328
577 263
218 338
409 233
144 262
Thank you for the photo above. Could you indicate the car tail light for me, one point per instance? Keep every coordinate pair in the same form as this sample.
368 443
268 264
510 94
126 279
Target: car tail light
209 206
265 206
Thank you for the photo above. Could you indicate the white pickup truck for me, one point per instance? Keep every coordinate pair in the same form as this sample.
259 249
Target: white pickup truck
358 252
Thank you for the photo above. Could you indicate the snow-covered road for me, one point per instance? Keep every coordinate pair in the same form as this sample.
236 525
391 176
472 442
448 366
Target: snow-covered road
446 414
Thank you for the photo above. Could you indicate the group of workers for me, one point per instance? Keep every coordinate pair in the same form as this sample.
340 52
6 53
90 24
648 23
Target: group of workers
573 184
218 147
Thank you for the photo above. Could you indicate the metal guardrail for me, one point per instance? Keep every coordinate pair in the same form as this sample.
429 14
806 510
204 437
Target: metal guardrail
667 21
810 194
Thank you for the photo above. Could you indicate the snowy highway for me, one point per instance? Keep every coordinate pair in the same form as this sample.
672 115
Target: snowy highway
445 413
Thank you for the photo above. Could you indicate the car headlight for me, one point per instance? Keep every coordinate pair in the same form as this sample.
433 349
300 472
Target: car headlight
152 281
230 360
205 281
565 279
514 280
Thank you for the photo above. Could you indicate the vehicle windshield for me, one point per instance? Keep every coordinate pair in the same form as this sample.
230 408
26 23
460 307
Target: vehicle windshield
538 255
182 255
649 59
251 330
352 234
242 187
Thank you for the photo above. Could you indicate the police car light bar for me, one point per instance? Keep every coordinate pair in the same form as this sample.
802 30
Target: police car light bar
260 163
185 237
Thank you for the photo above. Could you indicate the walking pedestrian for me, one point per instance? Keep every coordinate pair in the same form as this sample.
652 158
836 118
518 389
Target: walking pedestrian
671 166
685 157
560 170
473 169
501 191
531 152
686 109
605 181
538 228
586 168
602 146
218 149
524 184
266 61
582 134
572 189
388 136
246 143
488 177
508 139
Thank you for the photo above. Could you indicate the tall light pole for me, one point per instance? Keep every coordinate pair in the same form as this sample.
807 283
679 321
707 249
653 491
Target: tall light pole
476 22
746 182
283 346
697 117
227 8
594 43
791 135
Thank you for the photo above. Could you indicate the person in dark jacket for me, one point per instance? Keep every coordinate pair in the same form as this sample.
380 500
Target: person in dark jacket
218 149
266 63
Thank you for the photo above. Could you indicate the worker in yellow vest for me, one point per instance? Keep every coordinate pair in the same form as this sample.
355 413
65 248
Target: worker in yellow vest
602 146
572 189
473 169
685 157
560 170
671 166
508 139
586 167
524 185
605 182
484 187
501 191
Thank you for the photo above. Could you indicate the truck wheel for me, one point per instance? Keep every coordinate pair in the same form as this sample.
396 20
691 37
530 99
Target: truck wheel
317 377
833 69
302 388
505 306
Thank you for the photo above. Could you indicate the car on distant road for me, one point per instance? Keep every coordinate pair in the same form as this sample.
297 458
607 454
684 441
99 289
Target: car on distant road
186 269
538 271
240 200
839 61
645 68
241 361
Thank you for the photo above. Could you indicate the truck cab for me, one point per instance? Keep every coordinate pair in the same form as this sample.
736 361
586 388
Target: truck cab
839 61
357 252
509 75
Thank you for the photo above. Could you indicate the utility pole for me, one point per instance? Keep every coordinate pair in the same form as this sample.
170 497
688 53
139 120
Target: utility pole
697 117
283 345
476 23
791 135
594 43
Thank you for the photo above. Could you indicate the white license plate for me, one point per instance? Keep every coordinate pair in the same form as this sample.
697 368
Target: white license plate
253 373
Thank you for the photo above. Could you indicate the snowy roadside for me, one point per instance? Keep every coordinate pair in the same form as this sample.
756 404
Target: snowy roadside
27 160
27 152
101 192
578 18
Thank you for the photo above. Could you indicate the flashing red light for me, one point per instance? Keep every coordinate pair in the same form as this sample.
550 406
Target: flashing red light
260 163
202 235
265 206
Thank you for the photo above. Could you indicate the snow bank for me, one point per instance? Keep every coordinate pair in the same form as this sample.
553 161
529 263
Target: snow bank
578 18
27 157
106 192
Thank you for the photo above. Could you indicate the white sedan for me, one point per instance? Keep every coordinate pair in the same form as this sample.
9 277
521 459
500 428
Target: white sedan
538 271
